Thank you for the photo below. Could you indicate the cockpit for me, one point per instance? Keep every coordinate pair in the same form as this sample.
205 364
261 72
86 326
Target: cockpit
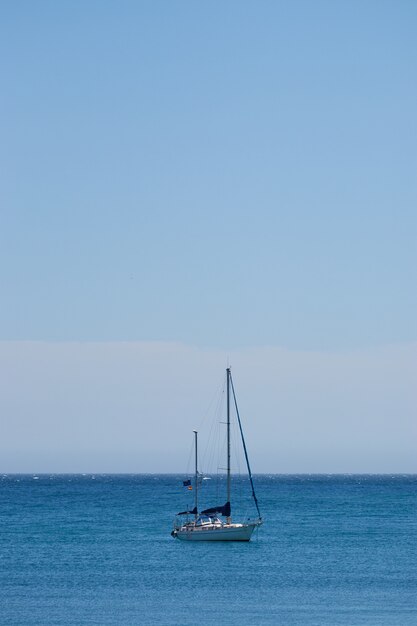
204 520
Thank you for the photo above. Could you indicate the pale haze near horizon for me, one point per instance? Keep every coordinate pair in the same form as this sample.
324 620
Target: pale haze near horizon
131 407
186 185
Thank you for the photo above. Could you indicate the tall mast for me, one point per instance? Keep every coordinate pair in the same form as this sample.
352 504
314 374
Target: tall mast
228 519
196 474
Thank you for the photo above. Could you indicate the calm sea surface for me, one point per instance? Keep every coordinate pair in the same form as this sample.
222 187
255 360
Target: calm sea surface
97 550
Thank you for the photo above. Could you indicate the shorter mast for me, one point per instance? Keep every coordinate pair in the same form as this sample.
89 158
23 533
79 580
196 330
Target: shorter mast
196 474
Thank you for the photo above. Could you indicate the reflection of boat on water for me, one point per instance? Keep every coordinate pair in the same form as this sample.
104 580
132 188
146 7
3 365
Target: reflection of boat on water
207 525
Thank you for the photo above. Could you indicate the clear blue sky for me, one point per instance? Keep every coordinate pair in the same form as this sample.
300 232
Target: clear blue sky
226 175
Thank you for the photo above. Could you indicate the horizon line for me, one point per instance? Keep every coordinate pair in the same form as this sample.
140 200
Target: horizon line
208 474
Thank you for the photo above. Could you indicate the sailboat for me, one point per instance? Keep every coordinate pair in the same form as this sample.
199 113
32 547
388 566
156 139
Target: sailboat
206 525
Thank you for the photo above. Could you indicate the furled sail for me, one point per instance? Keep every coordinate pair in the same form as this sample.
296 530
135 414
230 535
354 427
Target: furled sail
222 510
193 512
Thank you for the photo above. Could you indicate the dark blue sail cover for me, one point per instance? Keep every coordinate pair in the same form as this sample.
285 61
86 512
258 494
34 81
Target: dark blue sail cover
222 510
193 512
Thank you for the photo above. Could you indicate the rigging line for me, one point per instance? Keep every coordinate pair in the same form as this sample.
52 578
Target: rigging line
236 466
220 442
189 458
237 453
210 447
244 448
213 460
207 451
239 469
207 412
208 455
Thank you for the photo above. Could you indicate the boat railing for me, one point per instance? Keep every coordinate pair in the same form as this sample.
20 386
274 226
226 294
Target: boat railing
179 521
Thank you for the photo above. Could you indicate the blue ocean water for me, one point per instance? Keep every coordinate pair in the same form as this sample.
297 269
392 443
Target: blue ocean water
334 550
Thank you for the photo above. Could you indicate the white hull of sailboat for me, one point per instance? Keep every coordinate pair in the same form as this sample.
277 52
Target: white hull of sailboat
227 532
